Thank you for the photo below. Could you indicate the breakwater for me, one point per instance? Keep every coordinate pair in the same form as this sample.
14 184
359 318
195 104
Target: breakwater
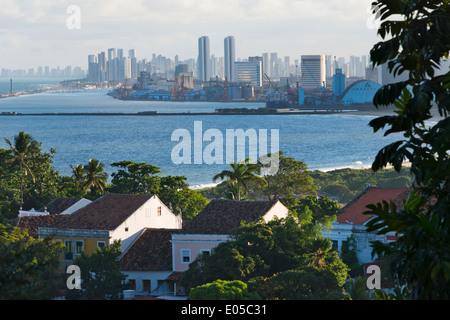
151 113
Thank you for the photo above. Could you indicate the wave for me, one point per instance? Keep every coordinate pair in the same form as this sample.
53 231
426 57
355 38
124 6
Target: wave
204 186
353 165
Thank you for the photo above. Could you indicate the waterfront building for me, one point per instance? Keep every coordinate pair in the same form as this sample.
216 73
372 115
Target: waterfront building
249 72
92 68
101 58
359 92
313 71
338 82
230 57
204 59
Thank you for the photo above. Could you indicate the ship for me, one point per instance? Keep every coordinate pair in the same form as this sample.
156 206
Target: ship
277 99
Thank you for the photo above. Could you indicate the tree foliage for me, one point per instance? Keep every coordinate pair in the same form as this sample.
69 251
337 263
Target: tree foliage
266 249
415 38
27 177
143 178
239 176
101 278
29 267
223 290
292 180
348 183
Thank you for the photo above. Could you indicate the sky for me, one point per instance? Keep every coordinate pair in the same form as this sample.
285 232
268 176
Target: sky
45 32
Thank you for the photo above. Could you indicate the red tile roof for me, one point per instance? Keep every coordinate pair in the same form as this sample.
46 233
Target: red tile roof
33 223
106 213
224 216
152 251
59 205
353 211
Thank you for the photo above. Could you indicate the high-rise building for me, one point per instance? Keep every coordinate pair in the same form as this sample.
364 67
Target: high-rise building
338 82
274 66
133 61
229 57
92 68
266 64
249 72
101 58
112 54
204 59
287 66
313 71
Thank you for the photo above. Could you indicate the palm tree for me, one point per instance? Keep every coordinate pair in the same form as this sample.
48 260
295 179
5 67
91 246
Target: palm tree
240 174
22 151
94 177
78 173
319 251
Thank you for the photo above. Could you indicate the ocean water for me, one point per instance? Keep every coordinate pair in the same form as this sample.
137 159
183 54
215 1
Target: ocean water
322 141
23 84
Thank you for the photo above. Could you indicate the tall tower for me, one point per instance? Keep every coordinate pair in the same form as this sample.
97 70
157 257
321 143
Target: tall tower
266 63
204 59
313 71
230 57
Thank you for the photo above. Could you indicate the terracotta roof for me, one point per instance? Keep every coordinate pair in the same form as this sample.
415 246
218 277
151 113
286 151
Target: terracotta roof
152 251
224 216
33 223
59 205
106 213
175 276
353 211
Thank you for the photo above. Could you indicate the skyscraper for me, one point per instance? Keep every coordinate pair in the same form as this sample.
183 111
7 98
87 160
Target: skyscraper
266 64
204 59
274 66
249 72
230 57
133 61
313 71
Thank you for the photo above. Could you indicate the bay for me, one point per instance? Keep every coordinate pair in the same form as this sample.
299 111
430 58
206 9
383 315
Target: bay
322 141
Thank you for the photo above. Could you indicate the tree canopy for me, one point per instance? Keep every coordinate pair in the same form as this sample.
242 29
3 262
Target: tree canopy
415 40
263 250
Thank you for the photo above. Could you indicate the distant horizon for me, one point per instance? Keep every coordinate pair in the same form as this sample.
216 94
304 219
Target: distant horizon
40 33
85 67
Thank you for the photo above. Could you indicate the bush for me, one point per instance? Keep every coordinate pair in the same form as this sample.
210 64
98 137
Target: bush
223 290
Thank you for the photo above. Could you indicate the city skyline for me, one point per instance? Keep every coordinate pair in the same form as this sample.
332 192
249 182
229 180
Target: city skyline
36 34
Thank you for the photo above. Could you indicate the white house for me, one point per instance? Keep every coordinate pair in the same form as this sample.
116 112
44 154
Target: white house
351 220
112 217
157 259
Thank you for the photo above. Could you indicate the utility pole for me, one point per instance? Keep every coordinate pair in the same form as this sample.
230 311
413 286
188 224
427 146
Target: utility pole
10 87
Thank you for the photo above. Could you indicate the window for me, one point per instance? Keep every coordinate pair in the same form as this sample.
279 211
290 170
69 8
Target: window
159 211
68 250
147 285
126 229
132 284
101 244
79 247
205 252
185 256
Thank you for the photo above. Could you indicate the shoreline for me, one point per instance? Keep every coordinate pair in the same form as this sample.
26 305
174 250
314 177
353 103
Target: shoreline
204 186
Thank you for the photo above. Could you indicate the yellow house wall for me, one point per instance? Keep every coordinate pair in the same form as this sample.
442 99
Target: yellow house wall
89 244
